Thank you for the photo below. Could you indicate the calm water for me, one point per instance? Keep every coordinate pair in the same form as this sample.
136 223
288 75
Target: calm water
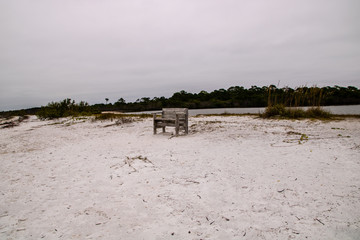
346 109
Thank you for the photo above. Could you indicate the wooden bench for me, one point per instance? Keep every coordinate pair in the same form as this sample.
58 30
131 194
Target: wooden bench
172 117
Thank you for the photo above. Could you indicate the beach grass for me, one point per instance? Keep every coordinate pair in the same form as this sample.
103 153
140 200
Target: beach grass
116 116
280 111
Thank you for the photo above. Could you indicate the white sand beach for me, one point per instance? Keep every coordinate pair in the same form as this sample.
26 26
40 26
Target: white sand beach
230 178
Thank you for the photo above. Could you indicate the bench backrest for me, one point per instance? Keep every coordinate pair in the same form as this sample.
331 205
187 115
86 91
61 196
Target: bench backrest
171 112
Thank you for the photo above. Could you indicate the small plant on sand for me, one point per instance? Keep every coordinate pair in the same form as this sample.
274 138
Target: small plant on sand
303 138
300 138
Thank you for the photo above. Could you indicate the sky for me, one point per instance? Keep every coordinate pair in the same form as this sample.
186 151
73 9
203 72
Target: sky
95 49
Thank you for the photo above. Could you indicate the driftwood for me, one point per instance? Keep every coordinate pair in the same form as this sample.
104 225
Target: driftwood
172 117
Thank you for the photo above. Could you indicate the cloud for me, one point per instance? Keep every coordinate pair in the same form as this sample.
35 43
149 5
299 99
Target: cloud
94 49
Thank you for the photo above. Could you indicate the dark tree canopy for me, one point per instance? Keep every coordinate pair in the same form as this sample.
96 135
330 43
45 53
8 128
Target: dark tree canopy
238 96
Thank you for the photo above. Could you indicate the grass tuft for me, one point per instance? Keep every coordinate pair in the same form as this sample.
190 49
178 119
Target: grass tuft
281 111
112 116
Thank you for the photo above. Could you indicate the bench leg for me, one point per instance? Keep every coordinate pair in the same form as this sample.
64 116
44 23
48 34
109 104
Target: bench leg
163 129
177 127
187 124
154 117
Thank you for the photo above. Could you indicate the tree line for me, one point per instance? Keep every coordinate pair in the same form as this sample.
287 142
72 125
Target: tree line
241 97
235 96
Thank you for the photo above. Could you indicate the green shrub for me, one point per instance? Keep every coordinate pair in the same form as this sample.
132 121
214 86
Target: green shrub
295 113
65 108
274 110
317 112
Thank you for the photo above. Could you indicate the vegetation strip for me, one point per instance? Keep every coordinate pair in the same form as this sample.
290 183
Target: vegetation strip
235 96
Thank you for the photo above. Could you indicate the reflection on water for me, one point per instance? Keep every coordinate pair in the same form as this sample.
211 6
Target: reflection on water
346 109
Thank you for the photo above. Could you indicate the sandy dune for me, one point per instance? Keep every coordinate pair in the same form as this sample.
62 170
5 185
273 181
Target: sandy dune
230 178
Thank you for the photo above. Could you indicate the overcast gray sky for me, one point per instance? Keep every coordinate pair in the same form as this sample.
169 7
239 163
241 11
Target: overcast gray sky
95 49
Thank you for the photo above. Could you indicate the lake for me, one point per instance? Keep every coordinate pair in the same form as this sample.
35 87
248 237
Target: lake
344 109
